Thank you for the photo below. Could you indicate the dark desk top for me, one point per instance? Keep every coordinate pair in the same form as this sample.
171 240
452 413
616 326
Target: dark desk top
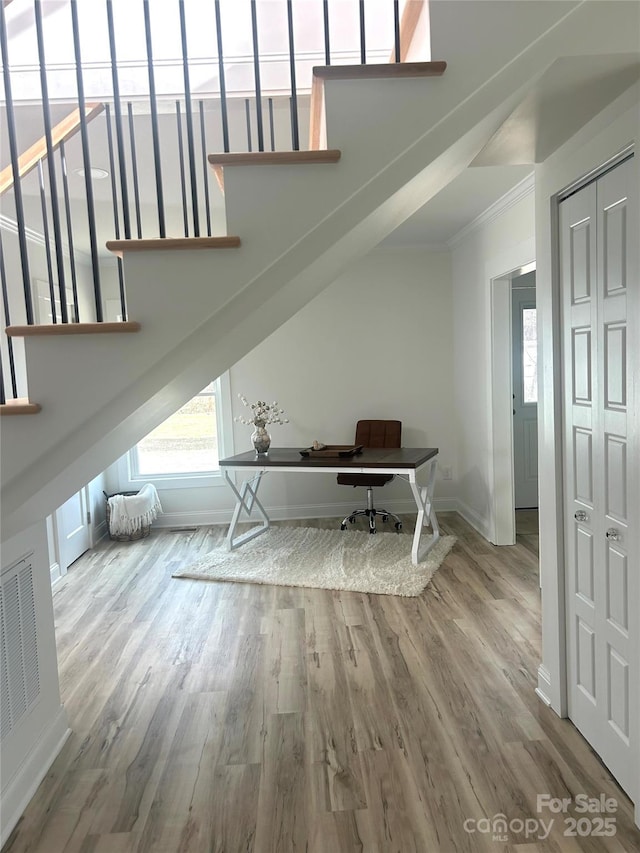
289 457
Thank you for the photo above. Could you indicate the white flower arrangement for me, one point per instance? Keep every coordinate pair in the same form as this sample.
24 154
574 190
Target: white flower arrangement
262 413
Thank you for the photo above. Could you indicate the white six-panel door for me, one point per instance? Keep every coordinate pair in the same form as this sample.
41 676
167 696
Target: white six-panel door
598 227
73 529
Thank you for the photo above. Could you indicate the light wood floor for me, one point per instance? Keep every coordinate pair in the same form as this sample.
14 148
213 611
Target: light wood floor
238 718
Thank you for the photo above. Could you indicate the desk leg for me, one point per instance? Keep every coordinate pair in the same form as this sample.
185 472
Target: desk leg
423 496
245 500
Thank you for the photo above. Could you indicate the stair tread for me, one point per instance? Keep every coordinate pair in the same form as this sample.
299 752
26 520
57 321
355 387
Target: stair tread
262 158
62 329
20 406
177 243
378 70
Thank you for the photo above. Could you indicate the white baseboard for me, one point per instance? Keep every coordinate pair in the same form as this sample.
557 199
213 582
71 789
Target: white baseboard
543 690
19 790
203 518
100 531
54 571
478 522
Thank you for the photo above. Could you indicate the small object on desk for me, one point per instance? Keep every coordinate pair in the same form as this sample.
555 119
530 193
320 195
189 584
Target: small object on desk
333 451
318 445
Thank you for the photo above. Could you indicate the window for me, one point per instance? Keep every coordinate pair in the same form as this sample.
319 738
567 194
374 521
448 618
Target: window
186 443
529 355
183 451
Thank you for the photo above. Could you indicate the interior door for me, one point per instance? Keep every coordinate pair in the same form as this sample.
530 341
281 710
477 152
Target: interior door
598 225
524 339
73 529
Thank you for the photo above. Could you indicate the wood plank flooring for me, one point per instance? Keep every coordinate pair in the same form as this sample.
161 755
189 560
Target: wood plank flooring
238 718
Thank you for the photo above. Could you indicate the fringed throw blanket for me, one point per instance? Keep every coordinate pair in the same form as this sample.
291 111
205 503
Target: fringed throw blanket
128 513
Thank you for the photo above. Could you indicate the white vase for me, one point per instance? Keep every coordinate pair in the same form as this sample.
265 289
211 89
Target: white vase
261 439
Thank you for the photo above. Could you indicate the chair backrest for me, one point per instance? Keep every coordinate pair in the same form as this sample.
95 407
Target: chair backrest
379 433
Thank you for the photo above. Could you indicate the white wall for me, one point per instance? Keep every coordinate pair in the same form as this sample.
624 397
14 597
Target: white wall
29 749
376 343
496 246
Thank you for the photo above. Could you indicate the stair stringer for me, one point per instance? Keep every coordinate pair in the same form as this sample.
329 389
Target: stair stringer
126 390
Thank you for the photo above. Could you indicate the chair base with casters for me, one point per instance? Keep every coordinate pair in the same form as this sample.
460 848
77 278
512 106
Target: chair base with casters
371 514
373 433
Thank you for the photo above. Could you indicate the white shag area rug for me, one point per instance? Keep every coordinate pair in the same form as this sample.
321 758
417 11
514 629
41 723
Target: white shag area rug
325 559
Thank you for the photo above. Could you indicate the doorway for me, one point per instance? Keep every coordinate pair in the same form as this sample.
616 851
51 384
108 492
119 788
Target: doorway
502 403
73 530
524 384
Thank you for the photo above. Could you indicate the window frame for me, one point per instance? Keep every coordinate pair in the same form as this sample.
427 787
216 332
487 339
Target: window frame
130 480
528 306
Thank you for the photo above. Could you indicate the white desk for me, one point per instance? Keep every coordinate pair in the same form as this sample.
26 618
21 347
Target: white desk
415 465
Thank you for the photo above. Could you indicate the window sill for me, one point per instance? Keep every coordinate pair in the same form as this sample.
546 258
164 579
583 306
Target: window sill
179 481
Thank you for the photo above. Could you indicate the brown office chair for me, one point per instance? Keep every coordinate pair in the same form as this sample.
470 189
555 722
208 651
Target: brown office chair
373 434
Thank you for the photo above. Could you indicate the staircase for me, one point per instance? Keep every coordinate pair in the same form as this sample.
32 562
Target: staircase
296 222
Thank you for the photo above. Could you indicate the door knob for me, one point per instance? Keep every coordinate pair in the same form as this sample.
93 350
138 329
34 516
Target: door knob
581 515
613 535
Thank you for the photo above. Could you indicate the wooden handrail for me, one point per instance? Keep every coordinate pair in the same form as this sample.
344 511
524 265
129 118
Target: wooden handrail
316 123
64 130
411 15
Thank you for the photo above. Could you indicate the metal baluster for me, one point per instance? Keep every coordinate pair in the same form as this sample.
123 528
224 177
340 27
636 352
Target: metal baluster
53 185
154 120
223 87
67 213
17 189
295 135
7 318
327 48
189 116
396 29
117 111
134 168
47 243
256 74
363 50
86 159
114 199
205 167
183 185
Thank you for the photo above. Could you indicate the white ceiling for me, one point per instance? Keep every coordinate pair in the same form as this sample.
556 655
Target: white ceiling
456 206
566 96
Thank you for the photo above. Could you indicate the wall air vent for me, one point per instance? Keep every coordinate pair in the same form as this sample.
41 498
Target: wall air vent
20 674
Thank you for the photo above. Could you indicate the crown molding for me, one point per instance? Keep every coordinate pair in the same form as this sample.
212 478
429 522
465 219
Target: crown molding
521 190
410 247
33 236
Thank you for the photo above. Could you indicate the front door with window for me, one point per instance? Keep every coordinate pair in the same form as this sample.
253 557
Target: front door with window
525 396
